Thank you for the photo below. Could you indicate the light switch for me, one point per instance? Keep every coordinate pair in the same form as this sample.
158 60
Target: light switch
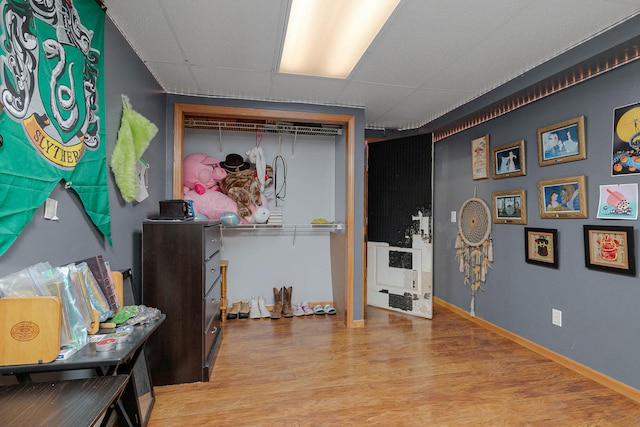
453 216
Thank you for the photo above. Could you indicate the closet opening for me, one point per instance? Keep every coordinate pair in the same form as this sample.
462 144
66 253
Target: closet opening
342 243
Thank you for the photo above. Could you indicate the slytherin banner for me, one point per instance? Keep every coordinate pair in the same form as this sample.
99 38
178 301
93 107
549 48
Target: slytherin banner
52 122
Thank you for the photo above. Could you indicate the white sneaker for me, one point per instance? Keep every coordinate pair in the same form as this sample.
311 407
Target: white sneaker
305 307
264 312
297 309
254 312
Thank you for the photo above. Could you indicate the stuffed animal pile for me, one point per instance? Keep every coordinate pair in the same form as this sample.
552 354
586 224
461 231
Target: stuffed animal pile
224 187
244 188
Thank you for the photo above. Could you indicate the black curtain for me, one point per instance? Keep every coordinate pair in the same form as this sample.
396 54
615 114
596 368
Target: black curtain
399 185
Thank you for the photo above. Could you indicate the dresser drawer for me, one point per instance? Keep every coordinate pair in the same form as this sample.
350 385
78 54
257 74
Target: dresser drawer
212 328
211 272
211 240
212 302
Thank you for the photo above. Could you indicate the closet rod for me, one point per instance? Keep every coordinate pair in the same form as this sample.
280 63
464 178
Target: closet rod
277 128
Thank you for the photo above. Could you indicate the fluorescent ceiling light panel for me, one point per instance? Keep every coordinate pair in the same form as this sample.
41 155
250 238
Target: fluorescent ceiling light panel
328 37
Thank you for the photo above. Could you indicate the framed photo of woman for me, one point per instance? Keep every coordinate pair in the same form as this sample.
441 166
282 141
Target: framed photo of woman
563 197
562 142
509 160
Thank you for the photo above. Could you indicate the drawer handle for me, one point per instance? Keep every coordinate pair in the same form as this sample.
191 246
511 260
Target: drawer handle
214 330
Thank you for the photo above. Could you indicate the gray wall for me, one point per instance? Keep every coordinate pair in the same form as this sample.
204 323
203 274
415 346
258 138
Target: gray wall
599 310
73 236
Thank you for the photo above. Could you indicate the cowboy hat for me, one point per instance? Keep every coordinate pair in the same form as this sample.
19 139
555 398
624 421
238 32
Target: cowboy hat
234 163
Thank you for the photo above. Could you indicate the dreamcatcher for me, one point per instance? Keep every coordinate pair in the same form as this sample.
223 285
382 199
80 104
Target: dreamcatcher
473 244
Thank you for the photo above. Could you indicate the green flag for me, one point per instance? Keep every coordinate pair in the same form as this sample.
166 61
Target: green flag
52 122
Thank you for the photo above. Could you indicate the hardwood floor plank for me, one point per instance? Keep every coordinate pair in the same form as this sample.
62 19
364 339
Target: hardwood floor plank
399 370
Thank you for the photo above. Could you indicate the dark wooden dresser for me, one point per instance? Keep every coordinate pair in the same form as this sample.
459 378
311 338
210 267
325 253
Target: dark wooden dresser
181 276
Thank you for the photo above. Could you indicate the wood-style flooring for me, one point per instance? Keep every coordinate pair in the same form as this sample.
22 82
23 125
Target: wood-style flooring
398 370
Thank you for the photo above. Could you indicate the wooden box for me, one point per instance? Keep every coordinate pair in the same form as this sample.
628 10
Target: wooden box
29 330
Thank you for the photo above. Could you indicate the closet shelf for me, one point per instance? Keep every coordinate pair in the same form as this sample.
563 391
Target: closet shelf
276 128
334 228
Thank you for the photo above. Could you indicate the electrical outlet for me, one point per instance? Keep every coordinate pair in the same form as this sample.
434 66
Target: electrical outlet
556 317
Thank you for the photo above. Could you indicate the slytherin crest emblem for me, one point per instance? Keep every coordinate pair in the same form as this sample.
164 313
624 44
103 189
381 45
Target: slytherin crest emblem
50 86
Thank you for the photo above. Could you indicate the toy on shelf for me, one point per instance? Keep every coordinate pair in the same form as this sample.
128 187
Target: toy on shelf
201 172
243 185
221 187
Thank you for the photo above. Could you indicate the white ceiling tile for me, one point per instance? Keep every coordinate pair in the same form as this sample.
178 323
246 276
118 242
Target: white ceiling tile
174 78
228 34
232 83
421 106
292 87
381 98
145 29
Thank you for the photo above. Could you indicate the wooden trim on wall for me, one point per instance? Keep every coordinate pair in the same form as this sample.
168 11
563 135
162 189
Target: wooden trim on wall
348 121
585 371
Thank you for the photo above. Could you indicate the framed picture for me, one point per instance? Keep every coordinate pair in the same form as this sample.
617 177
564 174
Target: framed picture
509 207
563 197
610 248
625 151
480 157
562 142
508 160
541 246
618 201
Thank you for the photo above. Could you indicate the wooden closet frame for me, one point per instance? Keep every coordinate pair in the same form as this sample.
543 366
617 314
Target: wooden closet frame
343 281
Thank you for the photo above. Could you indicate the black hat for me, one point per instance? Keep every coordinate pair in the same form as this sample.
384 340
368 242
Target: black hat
234 163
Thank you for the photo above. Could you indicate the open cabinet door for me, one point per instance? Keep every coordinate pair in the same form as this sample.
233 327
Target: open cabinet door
399 243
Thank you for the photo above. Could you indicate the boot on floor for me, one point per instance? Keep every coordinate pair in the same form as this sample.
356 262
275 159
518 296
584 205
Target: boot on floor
264 312
254 310
235 309
277 305
286 304
244 309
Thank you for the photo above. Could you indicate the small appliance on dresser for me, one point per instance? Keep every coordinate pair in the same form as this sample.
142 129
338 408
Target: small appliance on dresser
181 276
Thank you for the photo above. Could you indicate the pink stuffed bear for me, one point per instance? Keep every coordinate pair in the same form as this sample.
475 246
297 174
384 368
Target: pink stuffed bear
201 172
213 204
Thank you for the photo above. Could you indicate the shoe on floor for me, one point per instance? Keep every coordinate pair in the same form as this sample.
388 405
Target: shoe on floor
262 306
254 311
276 312
305 307
318 309
297 309
287 310
244 309
329 309
235 309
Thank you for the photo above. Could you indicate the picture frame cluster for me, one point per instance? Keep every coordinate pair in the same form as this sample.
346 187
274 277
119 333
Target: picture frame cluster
606 248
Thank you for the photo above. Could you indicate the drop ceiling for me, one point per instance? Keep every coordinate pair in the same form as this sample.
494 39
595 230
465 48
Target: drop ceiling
431 57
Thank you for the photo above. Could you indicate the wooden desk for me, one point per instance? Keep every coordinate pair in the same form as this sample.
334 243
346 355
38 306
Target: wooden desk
121 360
60 403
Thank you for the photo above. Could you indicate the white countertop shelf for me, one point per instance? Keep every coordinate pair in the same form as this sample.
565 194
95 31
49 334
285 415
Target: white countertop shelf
312 228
